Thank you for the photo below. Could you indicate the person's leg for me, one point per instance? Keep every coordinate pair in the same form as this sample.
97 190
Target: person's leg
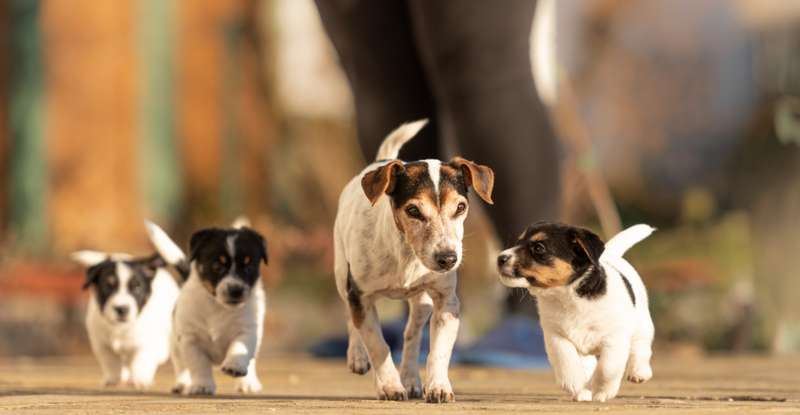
376 48
477 59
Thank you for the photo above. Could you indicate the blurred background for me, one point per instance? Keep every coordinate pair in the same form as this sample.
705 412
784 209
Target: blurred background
679 113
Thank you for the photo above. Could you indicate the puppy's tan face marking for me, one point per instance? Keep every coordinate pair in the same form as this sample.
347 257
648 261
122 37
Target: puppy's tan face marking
429 204
548 256
557 274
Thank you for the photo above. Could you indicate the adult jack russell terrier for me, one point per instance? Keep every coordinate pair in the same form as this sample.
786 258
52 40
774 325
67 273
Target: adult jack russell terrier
398 234
129 312
592 305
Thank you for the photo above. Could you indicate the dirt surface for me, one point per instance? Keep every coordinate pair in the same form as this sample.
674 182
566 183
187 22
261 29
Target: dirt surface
300 385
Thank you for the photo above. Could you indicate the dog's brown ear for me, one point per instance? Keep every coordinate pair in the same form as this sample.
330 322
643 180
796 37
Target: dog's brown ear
381 180
481 178
586 243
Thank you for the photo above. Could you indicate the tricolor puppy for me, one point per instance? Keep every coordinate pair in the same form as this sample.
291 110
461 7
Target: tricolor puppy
398 234
129 312
592 305
219 316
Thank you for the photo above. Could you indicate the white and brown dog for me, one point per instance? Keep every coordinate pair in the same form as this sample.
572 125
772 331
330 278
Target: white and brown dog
398 234
219 315
129 311
592 305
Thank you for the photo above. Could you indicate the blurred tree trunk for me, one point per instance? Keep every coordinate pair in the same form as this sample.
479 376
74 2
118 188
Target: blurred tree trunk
224 123
5 55
91 122
158 165
27 170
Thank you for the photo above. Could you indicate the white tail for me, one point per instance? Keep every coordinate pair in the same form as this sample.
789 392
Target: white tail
391 145
168 249
241 222
164 244
89 258
623 241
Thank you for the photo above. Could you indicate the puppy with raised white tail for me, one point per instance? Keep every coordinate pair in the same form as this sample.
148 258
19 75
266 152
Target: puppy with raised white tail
398 234
592 303
129 312
220 311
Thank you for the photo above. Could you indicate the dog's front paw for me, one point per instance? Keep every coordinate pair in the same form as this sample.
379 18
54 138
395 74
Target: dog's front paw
392 392
248 384
142 383
110 382
413 386
178 388
439 392
603 396
235 367
200 389
583 395
640 375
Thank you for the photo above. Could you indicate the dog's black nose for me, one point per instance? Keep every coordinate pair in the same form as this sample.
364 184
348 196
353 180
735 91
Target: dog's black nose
446 259
503 259
235 292
121 310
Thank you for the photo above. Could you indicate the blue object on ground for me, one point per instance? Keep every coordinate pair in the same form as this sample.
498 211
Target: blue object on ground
392 333
516 342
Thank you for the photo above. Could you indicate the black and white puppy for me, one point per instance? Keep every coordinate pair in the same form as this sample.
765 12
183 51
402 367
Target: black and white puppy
130 305
398 234
592 303
220 311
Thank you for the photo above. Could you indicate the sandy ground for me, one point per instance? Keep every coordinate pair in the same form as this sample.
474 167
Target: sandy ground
299 385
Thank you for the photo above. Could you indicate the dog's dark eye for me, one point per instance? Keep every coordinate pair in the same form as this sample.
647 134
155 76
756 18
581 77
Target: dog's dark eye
218 266
538 248
414 212
461 208
134 284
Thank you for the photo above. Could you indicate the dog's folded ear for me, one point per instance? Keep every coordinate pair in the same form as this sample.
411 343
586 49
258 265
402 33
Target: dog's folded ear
587 244
198 239
262 243
92 276
381 180
152 264
481 178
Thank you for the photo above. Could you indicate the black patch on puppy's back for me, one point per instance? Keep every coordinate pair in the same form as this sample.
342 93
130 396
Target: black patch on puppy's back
629 288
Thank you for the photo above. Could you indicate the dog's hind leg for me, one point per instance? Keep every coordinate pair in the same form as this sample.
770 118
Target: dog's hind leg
639 369
420 308
357 359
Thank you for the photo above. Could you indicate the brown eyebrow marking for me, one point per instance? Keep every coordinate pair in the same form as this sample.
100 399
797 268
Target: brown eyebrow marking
540 236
